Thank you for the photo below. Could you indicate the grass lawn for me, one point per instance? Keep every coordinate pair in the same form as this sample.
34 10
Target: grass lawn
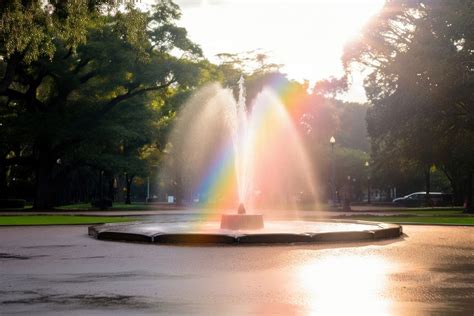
430 211
418 219
60 220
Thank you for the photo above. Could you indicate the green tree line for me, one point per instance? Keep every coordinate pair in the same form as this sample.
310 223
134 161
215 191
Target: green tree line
419 54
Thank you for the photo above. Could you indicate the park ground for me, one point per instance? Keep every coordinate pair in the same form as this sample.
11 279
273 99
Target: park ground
53 270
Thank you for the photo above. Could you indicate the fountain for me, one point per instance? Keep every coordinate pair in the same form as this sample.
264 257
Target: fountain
229 155
241 220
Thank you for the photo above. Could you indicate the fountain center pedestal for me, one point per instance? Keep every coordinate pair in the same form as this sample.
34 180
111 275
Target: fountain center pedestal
241 220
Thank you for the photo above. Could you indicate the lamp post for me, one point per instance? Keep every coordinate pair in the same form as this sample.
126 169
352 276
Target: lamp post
147 189
347 194
332 141
353 189
367 165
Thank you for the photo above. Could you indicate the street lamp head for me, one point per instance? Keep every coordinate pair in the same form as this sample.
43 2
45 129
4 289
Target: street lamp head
366 163
332 140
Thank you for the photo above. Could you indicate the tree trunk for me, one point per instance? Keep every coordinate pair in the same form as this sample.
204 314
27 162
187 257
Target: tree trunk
111 188
347 195
428 188
44 191
101 186
128 181
3 179
468 207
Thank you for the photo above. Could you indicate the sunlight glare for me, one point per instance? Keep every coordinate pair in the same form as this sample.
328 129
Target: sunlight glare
306 36
357 281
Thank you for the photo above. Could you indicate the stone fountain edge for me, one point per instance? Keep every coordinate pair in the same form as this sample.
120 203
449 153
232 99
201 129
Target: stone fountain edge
119 232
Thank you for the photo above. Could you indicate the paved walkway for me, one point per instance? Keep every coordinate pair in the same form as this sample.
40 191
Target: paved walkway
59 270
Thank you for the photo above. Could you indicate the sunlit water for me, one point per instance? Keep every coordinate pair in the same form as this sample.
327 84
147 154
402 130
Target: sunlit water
224 151
279 227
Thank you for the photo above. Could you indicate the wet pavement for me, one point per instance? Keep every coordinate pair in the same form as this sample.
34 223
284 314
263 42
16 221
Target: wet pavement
59 270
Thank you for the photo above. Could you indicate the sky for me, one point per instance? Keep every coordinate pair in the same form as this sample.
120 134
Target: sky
306 36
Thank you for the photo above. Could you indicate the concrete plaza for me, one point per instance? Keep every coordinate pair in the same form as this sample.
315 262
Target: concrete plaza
56 270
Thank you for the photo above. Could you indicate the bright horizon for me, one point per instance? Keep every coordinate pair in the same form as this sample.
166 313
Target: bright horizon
307 37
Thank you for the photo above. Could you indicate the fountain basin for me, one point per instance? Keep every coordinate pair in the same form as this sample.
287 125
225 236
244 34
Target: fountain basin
275 232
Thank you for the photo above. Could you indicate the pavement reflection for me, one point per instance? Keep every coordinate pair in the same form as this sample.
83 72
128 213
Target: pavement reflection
344 284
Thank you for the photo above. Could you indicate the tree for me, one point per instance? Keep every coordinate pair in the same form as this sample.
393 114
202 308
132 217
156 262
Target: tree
63 94
420 57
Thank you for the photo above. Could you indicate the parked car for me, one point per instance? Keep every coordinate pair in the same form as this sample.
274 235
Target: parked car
419 199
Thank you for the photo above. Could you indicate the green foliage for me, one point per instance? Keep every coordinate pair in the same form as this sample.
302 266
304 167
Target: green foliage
352 128
12 203
28 29
23 220
350 162
253 66
22 28
85 89
421 82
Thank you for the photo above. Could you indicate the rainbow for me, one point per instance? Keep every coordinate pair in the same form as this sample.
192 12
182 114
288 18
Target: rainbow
218 186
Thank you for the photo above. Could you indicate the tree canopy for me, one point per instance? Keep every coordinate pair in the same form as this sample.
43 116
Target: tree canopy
86 87
420 55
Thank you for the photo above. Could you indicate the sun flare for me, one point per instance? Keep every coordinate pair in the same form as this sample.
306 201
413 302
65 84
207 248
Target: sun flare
307 37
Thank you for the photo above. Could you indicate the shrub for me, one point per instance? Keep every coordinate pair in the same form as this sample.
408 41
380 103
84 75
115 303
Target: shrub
12 203
102 204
